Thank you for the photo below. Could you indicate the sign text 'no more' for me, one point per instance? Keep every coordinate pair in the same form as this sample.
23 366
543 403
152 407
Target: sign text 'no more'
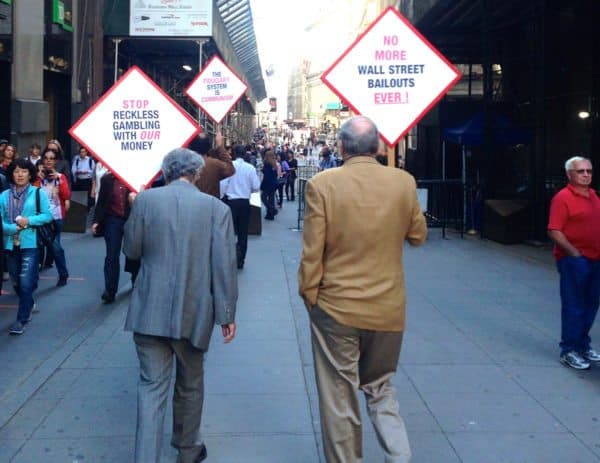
392 75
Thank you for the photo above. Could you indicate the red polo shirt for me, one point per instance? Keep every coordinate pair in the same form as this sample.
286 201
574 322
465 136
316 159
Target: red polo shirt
578 217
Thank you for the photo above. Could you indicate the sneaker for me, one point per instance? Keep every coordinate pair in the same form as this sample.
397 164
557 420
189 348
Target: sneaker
592 355
574 360
16 328
35 309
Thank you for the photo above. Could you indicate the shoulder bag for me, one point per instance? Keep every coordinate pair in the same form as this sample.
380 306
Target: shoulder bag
45 233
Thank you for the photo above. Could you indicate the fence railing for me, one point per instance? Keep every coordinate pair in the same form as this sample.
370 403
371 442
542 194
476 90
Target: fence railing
305 173
443 203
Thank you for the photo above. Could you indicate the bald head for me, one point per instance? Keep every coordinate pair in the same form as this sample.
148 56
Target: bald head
358 137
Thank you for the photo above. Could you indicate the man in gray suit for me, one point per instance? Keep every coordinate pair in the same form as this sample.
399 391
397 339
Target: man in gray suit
187 283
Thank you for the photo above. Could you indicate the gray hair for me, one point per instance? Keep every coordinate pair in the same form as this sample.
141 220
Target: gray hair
181 162
359 135
573 160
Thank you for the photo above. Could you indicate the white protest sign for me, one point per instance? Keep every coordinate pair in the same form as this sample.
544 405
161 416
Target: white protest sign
392 75
216 89
132 127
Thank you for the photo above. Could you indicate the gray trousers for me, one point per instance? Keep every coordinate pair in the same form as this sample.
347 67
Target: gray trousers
347 359
156 365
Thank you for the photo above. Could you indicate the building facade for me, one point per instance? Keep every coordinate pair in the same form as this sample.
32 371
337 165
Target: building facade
57 57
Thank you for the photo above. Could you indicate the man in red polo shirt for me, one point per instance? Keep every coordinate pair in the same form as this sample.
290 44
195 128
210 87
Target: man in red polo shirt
574 227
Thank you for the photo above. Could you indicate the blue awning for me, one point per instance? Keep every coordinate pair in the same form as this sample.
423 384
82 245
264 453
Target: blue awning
472 132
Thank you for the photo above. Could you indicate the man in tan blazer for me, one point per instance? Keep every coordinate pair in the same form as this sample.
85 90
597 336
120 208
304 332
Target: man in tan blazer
351 278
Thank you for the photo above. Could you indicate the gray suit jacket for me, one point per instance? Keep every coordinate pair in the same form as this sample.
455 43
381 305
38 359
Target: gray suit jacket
188 277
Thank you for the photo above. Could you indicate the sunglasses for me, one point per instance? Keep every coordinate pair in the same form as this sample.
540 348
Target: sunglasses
581 171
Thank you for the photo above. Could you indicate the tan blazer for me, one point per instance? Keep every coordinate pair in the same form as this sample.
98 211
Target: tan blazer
356 220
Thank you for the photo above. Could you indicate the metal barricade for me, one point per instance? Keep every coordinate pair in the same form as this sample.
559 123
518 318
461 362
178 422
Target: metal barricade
444 204
305 173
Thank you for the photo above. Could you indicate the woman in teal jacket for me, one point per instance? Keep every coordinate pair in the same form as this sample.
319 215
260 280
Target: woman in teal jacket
19 217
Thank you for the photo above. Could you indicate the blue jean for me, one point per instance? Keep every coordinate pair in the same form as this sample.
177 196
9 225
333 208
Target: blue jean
580 295
58 251
113 227
23 269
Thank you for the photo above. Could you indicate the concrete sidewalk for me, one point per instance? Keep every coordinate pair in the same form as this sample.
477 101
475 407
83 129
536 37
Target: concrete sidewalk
479 379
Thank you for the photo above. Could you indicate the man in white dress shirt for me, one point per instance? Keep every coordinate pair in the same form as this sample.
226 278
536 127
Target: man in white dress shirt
238 189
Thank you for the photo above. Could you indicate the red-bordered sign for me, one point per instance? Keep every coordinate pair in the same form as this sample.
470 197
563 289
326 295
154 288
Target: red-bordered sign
132 127
216 89
392 75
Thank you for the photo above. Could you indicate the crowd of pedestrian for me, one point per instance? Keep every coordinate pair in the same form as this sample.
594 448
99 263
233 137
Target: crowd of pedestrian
34 201
185 225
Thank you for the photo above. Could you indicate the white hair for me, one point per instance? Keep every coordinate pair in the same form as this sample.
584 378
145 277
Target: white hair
181 162
573 160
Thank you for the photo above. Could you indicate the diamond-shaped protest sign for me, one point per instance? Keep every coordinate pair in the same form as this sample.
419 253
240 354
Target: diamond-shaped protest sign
132 127
392 75
216 89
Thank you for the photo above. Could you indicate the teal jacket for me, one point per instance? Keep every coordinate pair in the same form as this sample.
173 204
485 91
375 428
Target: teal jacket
28 235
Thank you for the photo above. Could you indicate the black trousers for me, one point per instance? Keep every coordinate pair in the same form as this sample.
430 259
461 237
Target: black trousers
289 188
240 211
268 199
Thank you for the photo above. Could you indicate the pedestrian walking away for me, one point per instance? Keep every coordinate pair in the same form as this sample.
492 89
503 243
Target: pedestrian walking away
574 227
238 189
217 163
352 281
178 231
110 216
268 185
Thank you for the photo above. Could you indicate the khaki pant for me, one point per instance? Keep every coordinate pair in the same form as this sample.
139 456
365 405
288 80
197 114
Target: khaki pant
347 359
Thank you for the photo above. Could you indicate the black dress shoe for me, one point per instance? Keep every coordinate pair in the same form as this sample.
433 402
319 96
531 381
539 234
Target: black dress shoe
62 281
201 456
107 297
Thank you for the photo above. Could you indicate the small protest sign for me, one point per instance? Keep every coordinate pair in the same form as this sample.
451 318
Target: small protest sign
216 89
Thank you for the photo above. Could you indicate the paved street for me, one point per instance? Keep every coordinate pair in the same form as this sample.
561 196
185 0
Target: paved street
479 379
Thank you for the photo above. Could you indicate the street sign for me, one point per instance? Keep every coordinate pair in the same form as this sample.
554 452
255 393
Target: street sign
392 75
216 89
132 127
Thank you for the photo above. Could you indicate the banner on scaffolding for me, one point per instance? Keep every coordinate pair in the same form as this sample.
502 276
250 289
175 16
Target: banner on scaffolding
181 18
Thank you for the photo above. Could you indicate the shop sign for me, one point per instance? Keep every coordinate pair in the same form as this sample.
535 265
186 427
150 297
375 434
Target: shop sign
392 75
132 127
216 89
62 14
170 18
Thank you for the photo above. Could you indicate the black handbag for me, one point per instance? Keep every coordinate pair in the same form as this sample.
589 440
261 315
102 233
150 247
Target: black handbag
45 233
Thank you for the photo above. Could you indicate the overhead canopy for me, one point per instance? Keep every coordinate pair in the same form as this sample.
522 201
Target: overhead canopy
472 132
237 16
